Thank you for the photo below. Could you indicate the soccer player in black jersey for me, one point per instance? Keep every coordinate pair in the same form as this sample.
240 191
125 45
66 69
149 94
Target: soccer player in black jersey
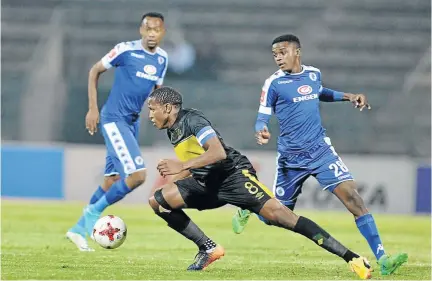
210 174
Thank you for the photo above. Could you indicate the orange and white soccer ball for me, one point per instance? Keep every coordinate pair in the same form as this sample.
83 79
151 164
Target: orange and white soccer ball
110 232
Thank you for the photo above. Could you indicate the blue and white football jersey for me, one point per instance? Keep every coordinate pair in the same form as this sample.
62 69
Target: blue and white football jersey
137 73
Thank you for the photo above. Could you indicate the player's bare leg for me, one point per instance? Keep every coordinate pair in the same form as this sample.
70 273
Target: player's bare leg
77 233
117 192
279 215
167 204
348 195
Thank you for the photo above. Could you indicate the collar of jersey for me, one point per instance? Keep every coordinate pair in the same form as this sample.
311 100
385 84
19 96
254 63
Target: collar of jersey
301 72
144 50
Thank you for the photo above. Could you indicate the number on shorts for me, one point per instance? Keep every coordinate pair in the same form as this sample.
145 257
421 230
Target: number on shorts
253 190
339 168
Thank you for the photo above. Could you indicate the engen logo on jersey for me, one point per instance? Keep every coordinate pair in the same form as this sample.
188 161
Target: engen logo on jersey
149 73
150 69
304 90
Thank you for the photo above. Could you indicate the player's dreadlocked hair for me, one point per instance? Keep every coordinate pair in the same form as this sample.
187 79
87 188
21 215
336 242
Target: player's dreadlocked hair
152 15
287 38
166 95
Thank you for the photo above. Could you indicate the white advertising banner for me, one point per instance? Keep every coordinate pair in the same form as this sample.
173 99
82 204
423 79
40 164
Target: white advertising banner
387 184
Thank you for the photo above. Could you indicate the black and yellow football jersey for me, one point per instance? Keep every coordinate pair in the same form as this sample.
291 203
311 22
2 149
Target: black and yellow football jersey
188 135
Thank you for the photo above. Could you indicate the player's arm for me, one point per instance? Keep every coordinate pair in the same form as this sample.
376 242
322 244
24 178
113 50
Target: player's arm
181 175
208 139
92 118
268 100
214 152
113 58
329 95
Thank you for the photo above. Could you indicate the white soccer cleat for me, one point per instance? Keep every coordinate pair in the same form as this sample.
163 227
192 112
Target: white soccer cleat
79 241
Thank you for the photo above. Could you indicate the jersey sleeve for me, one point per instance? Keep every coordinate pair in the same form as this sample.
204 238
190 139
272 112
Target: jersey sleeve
268 98
201 129
115 57
159 82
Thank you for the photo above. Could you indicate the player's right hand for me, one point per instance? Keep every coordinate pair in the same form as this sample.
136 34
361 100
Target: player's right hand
263 136
92 119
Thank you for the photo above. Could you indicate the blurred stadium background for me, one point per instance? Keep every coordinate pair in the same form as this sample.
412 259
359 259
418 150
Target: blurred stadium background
219 58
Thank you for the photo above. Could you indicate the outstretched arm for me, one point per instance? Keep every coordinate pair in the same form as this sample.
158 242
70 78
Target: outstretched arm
329 95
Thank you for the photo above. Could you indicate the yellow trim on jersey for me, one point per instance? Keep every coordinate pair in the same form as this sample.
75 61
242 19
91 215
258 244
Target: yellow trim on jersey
188 148
261 185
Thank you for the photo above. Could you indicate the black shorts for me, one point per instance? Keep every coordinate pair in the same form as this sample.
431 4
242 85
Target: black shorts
240 188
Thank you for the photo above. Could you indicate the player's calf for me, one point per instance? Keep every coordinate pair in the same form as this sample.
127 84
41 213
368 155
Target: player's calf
107 183
349 196
167 203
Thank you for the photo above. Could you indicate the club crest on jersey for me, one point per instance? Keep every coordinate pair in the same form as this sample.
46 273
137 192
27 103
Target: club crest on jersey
304 90
150 69
139 160
312 76
161 60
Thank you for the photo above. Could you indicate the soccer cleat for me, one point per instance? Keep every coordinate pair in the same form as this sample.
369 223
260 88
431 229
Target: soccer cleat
388 264
79 240
205 258
361 267
240 220
91 218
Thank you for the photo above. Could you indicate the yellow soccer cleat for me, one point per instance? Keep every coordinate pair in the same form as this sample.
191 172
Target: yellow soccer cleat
361 267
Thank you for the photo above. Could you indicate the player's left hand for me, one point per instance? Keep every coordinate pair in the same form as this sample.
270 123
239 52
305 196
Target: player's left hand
169 167
360 101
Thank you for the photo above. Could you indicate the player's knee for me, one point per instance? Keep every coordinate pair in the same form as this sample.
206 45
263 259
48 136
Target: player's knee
279 215
154 204
138 178
158 202
109 181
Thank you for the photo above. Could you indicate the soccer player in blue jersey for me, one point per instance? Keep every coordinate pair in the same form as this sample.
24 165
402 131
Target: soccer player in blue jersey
140 67
293 94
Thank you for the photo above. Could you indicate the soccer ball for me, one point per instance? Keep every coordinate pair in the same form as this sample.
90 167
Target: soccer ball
110 232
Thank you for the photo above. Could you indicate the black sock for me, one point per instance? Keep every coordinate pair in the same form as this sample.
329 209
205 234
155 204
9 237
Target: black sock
349 256
314 232
180 222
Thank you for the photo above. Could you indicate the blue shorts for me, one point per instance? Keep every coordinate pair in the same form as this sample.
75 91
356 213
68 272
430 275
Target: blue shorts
328 169
123 152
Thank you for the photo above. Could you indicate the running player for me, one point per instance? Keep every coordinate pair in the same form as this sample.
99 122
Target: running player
140 67
293 93
211 174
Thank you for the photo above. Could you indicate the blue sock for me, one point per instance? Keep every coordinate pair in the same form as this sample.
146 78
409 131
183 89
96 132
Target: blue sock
366 225
117 192
95 197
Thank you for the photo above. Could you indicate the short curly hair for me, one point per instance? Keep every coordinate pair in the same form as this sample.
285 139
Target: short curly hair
166 95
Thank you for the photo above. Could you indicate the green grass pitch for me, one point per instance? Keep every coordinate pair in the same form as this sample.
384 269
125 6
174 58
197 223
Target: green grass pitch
34 247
